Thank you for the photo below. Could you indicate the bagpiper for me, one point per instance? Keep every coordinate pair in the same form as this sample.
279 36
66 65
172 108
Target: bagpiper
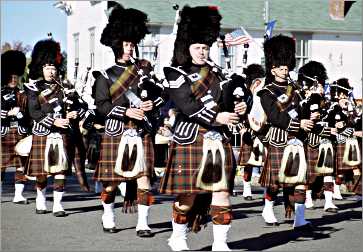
201 166
251 152
128 99
319 148
14 119
341 115
285 164
51 126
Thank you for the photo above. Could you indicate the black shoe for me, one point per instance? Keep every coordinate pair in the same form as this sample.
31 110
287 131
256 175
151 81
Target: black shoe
37 211
60 214
304 228
110 230
248 198
22 202
144 233
331 210
273 224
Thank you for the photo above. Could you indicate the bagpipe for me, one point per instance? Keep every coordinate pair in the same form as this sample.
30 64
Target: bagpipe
148 89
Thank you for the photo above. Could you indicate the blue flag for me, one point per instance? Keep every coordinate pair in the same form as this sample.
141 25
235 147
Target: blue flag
269 28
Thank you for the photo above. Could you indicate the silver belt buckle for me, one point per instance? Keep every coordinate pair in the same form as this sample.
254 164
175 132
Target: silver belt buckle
14 124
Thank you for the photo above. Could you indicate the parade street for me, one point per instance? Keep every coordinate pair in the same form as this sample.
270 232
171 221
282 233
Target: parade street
81 230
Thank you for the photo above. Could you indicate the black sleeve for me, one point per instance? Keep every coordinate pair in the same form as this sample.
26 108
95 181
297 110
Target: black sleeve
40 113
277 118
103 100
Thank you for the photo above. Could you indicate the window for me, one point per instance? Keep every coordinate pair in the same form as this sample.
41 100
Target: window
302 49
231 54
147 48
76 48
91 46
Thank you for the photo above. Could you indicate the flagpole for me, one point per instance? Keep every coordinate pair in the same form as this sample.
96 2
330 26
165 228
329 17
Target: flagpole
266 17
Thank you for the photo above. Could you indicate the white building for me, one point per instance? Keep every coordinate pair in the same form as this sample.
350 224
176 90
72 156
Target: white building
336 44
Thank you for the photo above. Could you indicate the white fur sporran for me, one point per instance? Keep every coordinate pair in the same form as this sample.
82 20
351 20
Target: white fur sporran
55 141
24 146
130 137
350 145
322 166
253 160
212 142
295 147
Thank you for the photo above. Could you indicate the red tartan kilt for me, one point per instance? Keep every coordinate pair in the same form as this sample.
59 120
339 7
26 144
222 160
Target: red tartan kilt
244 154
312 155
183 166
341 168
8 155
35 166
270 172
108 155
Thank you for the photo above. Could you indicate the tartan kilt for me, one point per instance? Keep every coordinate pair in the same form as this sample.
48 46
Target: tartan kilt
312 155
342 168
183 166
108 155
8 156
35 165
270 173
244 154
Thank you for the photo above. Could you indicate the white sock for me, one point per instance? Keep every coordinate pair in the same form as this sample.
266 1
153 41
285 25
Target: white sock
299 219
108 217
309 201
337 194
142 220
220 233
247 188
329 200
268 212
57 201
18 195
178 238
40 200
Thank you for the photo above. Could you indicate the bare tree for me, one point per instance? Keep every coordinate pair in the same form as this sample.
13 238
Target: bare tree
17 45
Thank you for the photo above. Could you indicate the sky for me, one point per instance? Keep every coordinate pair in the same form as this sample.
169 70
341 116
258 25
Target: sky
30 21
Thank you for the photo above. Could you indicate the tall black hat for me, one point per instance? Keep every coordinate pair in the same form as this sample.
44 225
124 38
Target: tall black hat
12 62
253 71
310 71
340 86
279 51
124 25
45 52
199 24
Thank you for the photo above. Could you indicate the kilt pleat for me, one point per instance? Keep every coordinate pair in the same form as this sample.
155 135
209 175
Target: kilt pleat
108 155
341 167
8 155
312 155
183 166
270 172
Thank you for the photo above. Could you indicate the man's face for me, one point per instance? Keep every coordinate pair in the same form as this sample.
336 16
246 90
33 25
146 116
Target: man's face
128 50
280 73
13 81
199 53
49 72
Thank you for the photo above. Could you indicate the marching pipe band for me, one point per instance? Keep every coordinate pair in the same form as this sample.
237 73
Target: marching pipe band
312 145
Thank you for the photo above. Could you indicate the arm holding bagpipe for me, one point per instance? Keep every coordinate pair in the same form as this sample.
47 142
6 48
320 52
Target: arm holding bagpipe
150 92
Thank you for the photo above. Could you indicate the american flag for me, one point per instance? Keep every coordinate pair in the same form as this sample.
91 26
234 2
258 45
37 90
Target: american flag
237 37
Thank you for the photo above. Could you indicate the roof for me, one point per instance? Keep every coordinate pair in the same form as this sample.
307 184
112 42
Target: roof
291 15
